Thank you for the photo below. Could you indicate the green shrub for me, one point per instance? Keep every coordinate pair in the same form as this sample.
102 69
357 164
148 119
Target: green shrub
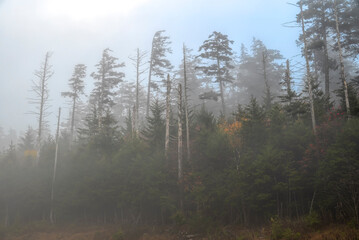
2 232
289 234
278 231
118 235
178 218
312 220
201 224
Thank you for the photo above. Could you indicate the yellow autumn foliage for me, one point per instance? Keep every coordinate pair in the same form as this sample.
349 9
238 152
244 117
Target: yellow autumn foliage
30 153
232 130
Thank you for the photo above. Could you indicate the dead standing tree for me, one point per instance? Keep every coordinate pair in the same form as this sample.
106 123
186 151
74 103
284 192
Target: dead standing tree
168 111
308 75
76 84
41 98
186 103
52 219
138 63
341 61
180 145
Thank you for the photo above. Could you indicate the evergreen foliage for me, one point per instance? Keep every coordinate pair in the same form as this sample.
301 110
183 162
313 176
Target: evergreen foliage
262 163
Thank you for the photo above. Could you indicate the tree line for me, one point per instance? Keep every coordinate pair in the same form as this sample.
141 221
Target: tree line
220 139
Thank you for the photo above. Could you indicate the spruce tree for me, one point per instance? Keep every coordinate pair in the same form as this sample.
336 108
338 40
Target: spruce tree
106 79
76 84
159 64
216 49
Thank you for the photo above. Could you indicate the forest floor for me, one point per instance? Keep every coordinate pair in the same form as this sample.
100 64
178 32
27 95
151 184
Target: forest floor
111 232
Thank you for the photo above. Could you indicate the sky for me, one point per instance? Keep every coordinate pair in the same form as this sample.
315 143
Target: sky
77 31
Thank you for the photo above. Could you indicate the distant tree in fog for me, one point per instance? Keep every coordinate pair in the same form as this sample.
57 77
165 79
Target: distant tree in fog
260 72
217 50
159 64
27 142
40 90
107 79
76 84
138 63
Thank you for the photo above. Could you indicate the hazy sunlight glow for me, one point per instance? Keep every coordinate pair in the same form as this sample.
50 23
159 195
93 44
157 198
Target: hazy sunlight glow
87 10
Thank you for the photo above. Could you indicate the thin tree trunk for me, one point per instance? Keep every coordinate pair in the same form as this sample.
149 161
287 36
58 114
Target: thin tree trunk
55 165
137 106
180 146
289 208
268 94
44 77
134 121
312 202
100 104
137 63
7 216
186 104
326 55
73 118
309 77
326 65
149 81
287 80
342 70
167 137
221 88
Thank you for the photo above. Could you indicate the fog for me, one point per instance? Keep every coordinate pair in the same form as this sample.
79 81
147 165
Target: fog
182 119
78 31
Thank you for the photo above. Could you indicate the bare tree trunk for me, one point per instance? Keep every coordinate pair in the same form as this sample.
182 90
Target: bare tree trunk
137 62
73 118
326 55
41 91
268 94
342 70
55 165
309 77
326 65
186 103
167 137
100 103
180 145
312 202
7 216
149 81
137 106
221 89
287 80
134 121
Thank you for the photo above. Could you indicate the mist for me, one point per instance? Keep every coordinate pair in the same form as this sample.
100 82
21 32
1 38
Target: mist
154 119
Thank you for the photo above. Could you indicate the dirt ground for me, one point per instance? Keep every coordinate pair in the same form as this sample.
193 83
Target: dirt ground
112 232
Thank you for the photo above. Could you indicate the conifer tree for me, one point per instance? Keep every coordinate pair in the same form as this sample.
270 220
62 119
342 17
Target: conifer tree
159 64
154 132
341 61
76 84
106 79
260 72
27 142
309 78
217 50
318 21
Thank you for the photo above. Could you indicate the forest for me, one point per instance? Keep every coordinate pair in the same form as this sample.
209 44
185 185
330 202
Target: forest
225 138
